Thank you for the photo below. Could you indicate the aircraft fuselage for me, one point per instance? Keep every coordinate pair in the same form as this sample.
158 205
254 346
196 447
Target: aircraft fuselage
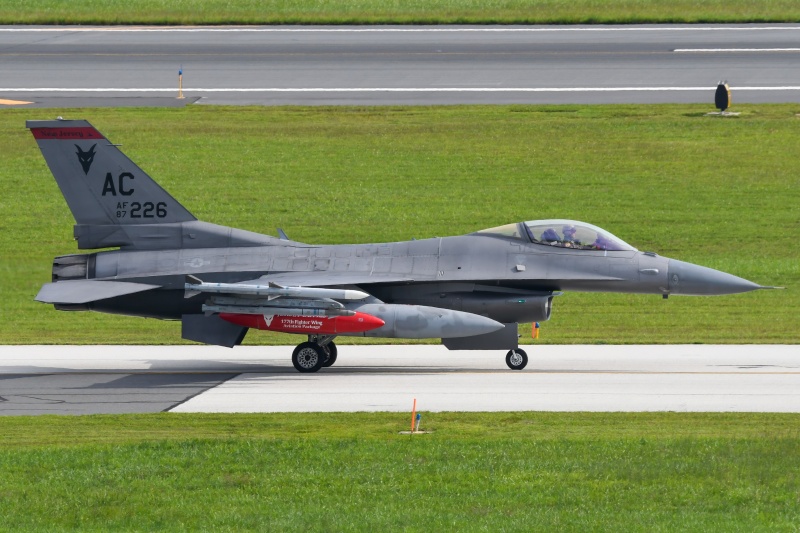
463 273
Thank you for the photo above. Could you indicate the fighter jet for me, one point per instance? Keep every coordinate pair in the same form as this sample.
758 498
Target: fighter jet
471 290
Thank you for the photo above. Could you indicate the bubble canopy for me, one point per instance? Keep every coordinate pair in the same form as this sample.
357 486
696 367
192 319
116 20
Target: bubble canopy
561 233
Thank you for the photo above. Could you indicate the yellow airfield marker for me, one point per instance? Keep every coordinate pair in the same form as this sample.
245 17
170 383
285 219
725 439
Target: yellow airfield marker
13 102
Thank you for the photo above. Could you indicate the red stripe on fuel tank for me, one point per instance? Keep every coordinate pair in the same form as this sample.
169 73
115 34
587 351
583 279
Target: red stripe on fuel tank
323 325
66 133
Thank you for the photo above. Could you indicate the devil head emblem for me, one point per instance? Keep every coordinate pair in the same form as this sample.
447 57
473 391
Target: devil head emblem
86 157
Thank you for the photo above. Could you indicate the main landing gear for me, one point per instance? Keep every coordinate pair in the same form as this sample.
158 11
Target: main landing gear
516 359
318 352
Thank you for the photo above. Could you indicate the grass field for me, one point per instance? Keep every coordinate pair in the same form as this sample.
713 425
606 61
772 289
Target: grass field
354 472
722 193
395 12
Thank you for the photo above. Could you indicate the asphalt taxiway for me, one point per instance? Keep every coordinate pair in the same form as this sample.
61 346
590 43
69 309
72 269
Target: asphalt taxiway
127 379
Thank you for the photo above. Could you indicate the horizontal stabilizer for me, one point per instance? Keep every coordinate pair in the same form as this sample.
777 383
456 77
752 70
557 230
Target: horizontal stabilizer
81 291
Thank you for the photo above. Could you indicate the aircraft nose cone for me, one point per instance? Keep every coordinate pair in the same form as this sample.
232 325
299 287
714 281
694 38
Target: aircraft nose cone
696 280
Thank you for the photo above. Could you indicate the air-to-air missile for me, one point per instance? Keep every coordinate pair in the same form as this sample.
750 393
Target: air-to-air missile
270 290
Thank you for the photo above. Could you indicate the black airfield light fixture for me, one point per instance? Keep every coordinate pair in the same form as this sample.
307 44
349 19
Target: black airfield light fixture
722 98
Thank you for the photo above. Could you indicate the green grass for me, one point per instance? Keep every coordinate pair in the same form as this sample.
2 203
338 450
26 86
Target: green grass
724 193
395 12
354 472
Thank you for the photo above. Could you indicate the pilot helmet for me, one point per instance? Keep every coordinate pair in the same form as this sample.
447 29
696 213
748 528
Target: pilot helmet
550 235
569 230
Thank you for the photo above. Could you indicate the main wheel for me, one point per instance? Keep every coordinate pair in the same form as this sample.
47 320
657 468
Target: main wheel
308 357
516 359
331 352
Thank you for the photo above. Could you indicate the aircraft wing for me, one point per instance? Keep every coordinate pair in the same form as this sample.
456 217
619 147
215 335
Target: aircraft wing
81 291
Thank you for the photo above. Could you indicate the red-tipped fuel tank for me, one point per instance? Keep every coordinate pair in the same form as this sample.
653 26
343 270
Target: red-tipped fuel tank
312 325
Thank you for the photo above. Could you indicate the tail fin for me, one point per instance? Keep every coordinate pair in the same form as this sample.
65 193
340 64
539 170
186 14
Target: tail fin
101 185
114 202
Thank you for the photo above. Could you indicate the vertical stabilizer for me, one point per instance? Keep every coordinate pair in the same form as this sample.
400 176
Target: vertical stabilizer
100 184
115 203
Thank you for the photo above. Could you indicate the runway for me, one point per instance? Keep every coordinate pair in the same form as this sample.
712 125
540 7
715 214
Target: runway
128 379
390 65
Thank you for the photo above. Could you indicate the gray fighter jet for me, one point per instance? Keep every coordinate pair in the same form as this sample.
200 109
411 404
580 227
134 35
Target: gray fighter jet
471 291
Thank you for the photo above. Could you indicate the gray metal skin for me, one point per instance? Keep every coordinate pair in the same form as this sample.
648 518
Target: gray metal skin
480 278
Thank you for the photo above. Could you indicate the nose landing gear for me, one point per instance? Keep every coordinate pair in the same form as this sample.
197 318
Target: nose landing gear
516 359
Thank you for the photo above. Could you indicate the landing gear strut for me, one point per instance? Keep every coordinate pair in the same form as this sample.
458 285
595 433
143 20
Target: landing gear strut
331 351
516 359
318 352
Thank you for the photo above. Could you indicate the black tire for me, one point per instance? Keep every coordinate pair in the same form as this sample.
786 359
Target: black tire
308 357
516 359
330 351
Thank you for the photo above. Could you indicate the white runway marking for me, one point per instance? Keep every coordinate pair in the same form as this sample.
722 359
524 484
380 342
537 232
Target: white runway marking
726 50
696 378
380 89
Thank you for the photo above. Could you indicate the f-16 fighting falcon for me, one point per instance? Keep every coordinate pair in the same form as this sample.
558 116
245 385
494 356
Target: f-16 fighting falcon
471 290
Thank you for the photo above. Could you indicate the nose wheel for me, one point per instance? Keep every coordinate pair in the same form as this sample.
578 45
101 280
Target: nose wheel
516 359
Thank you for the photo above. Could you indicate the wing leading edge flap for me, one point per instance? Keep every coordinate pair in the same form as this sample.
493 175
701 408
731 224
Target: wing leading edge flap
81 291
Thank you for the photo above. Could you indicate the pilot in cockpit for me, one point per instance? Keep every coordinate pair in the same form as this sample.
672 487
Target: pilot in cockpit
601 242
569 237
550 236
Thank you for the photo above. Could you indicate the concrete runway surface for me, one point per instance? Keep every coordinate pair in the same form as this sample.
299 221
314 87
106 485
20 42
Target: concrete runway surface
127 379
392 65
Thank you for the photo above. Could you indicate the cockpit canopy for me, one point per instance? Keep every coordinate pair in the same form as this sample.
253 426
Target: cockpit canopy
562 234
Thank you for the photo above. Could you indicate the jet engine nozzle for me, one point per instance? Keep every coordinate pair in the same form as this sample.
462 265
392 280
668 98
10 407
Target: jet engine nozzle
695 280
